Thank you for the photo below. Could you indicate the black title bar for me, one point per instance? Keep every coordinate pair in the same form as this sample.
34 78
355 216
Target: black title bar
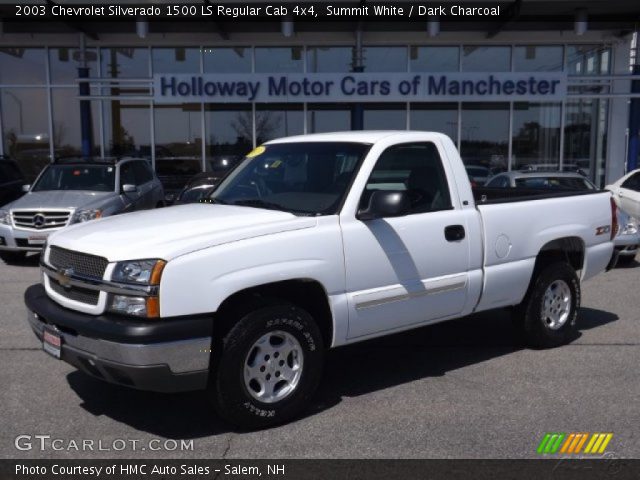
498 11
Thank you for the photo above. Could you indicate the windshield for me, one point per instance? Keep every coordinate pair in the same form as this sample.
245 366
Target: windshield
96 178
306 178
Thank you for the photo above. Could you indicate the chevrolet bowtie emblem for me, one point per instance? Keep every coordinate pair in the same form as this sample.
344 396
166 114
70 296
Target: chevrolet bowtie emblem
63 277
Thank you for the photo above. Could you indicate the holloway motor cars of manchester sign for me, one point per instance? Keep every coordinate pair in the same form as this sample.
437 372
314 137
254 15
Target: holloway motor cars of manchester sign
358 87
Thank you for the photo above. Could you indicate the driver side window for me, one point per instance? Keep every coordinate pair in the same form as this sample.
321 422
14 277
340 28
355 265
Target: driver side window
415 168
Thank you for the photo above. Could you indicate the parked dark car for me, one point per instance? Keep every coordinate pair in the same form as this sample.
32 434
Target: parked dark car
203 183
178 174
175 173
11 181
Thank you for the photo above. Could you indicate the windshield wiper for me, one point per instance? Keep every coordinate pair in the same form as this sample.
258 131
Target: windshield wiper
256 202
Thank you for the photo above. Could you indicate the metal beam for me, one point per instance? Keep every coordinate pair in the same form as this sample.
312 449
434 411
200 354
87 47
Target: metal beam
217 26
510 15
75 25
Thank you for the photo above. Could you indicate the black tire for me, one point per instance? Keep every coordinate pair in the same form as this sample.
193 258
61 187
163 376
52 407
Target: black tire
12 257
625 260
160 205
227 385
529 317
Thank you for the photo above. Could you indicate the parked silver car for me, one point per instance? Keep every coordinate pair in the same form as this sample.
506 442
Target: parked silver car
627 240
75 190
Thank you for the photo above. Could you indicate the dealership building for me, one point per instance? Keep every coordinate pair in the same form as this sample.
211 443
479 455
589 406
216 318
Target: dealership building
544 85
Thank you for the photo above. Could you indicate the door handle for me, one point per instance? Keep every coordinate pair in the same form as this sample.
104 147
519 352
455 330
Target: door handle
454 233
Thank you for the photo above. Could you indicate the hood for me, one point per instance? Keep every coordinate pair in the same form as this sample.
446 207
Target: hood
170 232
59 199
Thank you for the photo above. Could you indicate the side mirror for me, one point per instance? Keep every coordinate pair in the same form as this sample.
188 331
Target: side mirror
386 203
26 188
129 188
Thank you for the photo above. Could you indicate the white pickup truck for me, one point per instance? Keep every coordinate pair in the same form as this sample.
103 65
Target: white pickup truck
312 242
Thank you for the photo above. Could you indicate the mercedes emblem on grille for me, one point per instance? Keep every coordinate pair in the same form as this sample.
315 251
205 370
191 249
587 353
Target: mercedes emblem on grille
38 220
63 277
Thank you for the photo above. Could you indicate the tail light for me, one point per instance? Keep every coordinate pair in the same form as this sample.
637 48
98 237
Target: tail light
614 218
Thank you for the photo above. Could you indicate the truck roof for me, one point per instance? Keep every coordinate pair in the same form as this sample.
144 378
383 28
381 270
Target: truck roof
360 136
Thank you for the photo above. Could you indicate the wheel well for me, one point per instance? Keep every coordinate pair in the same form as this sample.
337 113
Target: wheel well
568 249
304 293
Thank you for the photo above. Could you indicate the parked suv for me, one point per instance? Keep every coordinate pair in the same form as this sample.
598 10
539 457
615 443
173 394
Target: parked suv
11 181
75 190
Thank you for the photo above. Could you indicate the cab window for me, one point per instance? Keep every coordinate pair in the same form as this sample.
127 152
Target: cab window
415 168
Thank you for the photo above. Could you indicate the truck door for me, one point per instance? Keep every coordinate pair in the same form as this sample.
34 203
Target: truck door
407 270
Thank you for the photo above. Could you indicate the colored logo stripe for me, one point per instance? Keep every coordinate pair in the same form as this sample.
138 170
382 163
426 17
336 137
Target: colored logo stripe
572 443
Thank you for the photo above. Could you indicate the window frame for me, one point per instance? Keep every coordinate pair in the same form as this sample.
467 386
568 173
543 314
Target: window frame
439 164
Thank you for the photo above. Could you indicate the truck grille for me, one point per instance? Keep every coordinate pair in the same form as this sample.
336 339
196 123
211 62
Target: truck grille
81 263
41 220
83 295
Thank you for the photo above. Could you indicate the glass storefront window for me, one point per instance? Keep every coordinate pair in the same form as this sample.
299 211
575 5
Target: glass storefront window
127 128
385 116
324 117
329 59
385 59
435 117
275 121
67 130
538 58
227 60
122 62
588 59
64 63
25 128
178 131
176 60
585 137
22 66
434 59
485 135
478 58
536 136
229 129
279 59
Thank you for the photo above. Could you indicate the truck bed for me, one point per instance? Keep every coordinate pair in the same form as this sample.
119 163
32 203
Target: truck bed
493 195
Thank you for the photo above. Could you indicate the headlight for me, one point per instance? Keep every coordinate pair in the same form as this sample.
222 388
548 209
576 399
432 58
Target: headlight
147 307
5 217
145 272
84 215
630 228
140 272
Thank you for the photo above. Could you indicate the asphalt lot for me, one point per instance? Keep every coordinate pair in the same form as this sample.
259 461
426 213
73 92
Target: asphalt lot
459 389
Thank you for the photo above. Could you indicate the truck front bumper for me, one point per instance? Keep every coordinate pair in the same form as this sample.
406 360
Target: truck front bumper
164 355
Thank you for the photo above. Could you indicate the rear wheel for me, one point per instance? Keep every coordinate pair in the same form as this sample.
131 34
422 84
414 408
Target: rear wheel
269 366
547 315
626 259
12 257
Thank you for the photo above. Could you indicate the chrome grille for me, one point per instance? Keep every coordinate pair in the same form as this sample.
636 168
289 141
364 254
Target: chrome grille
81 263
41 220
78 294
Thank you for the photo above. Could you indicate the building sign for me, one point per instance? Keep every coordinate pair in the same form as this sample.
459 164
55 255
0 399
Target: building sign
359 87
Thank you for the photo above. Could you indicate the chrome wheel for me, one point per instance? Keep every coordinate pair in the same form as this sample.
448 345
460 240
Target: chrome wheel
273 367
556 304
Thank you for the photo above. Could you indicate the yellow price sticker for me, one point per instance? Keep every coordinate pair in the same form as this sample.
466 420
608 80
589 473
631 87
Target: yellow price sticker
256 151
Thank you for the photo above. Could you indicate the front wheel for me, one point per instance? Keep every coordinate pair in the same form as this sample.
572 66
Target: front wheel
269 367
547 315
